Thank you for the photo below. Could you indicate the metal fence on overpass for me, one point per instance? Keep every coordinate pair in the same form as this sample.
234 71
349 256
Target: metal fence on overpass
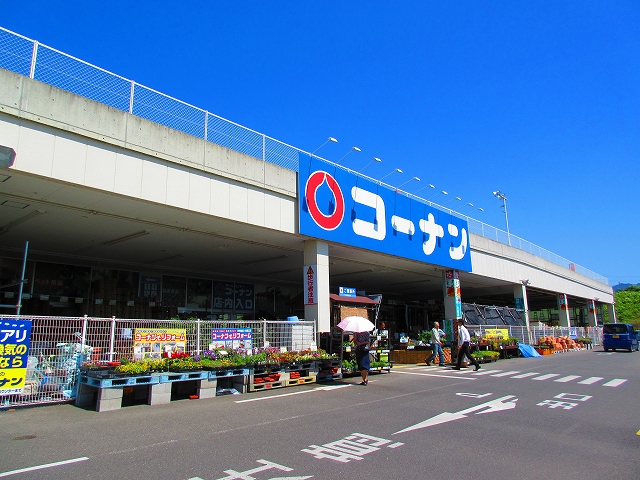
45 64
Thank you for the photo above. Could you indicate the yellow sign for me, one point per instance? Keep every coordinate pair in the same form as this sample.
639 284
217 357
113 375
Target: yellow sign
15 338
158 342
496 333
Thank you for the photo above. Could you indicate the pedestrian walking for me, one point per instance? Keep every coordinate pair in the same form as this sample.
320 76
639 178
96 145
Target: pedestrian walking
437 337
362 341
464 339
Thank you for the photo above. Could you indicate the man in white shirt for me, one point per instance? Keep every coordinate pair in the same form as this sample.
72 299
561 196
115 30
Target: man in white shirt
464 340
437 337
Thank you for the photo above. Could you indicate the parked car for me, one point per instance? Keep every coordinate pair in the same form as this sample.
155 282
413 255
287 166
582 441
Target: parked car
619 335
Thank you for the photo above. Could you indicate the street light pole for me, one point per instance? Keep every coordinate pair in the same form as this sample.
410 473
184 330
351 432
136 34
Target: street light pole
504 199
403 184
353 149
330 139
397 170
375 159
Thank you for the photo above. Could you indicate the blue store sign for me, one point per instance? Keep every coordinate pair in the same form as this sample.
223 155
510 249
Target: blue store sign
341 207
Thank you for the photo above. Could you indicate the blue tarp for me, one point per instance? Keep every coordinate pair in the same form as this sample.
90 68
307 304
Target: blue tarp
528 351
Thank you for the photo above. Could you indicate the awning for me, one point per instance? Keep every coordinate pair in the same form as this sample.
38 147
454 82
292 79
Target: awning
357 299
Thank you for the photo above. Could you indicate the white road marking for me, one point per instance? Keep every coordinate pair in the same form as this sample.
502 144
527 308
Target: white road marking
568 378
525 375
547 376
504 403
504 374
590 380
615 382
41 467
486 372
433 375
319 389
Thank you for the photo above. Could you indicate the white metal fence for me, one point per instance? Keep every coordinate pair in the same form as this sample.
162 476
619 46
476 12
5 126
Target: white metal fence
59 345
533 334
40 62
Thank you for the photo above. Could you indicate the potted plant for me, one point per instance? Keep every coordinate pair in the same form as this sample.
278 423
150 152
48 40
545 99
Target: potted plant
132 369
185 364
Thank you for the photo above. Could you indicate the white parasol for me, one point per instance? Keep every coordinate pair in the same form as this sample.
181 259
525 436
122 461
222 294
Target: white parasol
356 324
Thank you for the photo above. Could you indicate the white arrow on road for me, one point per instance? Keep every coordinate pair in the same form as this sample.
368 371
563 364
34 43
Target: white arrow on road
503 403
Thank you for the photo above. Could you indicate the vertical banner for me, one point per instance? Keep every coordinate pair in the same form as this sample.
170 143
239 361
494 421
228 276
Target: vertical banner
310 285
452 278
15 338
564 304
519 301
447 327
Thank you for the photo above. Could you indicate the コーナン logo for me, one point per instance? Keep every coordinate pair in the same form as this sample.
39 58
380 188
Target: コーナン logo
315 181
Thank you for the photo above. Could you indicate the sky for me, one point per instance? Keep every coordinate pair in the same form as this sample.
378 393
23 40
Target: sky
539 100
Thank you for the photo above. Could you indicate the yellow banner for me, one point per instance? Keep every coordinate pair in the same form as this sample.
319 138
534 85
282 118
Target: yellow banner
12 380
496 333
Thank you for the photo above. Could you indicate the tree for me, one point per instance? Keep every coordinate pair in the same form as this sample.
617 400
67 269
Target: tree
628 306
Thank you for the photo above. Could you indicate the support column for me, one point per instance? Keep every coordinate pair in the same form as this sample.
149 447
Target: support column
563 311
452 307
592 317
451 293
522 304
611 310
316 262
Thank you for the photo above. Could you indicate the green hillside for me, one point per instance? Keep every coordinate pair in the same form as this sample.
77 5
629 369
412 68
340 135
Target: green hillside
628 306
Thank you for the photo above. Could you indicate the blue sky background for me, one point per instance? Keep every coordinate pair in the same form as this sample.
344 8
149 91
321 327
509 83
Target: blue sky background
539 100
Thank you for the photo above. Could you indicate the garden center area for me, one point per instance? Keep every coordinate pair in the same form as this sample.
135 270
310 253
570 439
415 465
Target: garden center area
110 363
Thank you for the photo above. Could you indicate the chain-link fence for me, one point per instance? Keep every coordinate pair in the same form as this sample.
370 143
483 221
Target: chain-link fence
59 345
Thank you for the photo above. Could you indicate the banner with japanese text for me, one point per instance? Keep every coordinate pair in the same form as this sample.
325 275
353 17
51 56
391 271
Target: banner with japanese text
158 342
233 297
15 339
231 338
496 333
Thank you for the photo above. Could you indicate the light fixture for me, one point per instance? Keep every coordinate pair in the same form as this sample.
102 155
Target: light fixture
454 198
330 139
164 259
525 282
127 238
411 282
412 178
353 149
262 260
333 275
504 199
428 185
375 159
397 170
277 272
443 192
18 221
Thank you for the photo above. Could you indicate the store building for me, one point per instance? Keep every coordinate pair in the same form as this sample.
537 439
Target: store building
135 218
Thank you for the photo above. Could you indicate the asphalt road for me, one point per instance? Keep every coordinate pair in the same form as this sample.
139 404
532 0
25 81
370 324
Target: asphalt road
566 416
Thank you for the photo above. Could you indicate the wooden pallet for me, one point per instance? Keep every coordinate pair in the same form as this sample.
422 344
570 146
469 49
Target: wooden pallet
256 387
301 380
119 382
